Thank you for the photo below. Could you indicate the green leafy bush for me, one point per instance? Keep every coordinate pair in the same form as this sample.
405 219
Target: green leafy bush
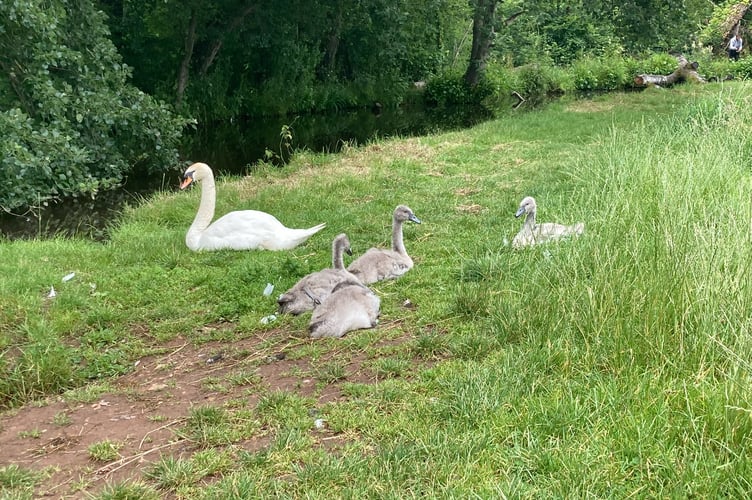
450 97
72 124
609 73
585 74
741 68
658 64
613 73
536 82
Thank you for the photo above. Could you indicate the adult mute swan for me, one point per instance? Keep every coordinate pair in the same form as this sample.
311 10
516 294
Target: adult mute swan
318 285
532 233
351 306
240 230
382 264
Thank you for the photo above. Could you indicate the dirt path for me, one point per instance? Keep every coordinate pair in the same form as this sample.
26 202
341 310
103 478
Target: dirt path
147 405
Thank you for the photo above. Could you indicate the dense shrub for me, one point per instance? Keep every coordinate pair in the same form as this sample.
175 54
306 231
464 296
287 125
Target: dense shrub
601 74
449 97
614 73
536 82
741 68
585 74
72 124
657 64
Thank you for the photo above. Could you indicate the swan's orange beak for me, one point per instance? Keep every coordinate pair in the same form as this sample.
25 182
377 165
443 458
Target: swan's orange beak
186 182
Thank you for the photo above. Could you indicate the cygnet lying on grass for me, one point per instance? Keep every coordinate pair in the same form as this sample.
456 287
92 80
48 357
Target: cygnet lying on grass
320 284
532 233
351 306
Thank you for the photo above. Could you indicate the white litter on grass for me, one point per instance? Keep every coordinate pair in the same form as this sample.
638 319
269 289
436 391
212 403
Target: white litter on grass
69 277
268 290
319 423
52 293
268 319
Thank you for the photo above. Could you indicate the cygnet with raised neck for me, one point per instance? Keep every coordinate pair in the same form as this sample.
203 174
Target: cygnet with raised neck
532 233
319 285
382 264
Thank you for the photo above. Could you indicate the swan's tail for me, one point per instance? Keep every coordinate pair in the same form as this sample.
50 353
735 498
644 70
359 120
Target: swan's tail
304 234
316 229
295 237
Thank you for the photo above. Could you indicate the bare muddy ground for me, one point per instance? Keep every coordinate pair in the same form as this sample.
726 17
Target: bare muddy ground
148 405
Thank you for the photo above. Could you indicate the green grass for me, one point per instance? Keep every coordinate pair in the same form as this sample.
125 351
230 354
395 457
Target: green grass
18 482
612 365
105 451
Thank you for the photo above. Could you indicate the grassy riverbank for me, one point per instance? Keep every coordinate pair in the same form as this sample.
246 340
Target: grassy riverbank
615 364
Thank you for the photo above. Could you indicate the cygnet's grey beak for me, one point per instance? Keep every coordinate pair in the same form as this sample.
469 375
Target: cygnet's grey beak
414 219
519 211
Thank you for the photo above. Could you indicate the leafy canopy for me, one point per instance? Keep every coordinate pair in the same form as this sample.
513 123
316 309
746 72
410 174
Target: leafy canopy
70 123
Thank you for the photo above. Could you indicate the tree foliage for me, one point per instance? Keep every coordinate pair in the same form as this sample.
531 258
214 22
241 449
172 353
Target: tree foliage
563 31
73 120
71 123
285 56
223 58
723 22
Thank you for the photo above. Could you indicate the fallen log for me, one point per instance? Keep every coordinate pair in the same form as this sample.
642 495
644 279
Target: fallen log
685 72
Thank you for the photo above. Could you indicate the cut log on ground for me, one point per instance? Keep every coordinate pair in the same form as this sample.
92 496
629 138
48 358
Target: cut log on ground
686 72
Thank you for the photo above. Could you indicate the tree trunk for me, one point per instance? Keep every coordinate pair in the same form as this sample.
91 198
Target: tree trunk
332 46
483 31
687 71
185 65
17 85
217 43
731 25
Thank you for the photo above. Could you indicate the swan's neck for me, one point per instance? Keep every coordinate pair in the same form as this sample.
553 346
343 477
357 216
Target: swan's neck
529 223
398 245
338 260
205 212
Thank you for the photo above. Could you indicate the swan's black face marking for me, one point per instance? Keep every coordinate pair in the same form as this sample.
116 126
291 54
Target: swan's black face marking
187 179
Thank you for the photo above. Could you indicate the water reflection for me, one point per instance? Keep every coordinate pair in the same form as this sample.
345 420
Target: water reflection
230 148
233 147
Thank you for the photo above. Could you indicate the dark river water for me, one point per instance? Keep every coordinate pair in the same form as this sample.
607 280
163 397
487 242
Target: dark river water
229 148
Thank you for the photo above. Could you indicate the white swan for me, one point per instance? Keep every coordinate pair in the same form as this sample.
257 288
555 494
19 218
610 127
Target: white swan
382 264
240 230
351 306
318 285
532 233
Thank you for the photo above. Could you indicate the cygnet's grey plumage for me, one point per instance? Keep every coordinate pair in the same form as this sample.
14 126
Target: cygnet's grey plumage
532 233
351 306
382 264
320 284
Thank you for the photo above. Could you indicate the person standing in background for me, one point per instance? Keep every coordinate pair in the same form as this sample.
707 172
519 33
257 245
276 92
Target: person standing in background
735 47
